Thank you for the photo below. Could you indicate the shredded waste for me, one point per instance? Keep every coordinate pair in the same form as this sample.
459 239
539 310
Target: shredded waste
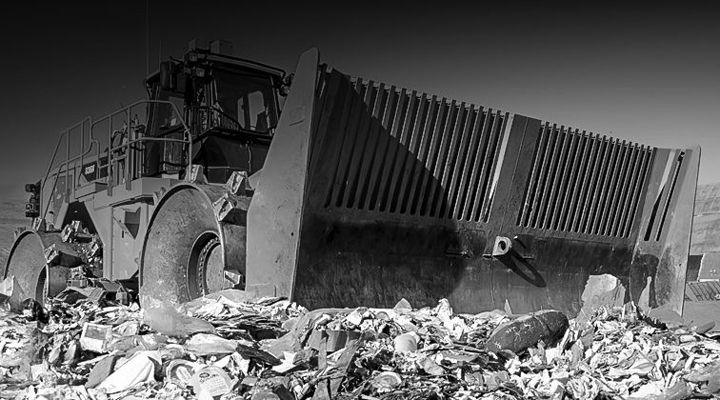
223 346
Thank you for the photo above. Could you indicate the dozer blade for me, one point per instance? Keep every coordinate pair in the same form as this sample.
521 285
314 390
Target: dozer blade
28 264
371 193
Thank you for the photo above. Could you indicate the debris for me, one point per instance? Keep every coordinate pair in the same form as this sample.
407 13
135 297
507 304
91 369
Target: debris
101 371
547 326
12 294
257 355
140 368
204 344
62 254
406 343
40 371
656 390
271 348
73 231
181 372
431 367
289 362
601 290
73 294
272 389
34 311
122 297
72 353
211 382
334 339
164 318
95 337
386 381
402 306
328 387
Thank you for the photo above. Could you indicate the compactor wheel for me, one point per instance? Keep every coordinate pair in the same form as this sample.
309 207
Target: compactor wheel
184 253
27 264
205 267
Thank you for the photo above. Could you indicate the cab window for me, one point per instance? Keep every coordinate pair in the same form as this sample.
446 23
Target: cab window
247 99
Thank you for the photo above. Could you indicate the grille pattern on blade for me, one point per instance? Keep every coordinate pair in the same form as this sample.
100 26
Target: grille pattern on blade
408 153
584 183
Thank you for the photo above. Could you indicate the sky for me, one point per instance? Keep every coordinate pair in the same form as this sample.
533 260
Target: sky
650 75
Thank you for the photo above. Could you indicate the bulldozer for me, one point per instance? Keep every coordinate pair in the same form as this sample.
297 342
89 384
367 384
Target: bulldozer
338 191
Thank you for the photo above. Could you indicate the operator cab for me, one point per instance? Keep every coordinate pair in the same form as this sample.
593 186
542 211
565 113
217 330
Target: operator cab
230 105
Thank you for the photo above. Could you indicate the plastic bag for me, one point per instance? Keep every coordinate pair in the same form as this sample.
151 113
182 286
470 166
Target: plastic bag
164 318
138 369
12 294
203 344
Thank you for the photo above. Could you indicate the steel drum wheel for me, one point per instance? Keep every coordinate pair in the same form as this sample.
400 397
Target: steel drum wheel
26 263
206 266
183 253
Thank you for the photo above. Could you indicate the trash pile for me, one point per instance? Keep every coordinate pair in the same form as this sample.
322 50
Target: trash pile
224 347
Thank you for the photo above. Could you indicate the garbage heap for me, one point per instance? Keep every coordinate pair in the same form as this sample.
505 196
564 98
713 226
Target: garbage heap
224 347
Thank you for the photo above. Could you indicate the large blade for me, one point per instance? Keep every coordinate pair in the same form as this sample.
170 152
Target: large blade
275 214
402 194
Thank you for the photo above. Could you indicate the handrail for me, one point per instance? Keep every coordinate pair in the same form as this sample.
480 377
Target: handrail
65 165
149 139
64 134
127 110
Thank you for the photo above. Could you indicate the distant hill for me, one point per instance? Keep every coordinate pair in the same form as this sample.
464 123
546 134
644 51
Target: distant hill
12 215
